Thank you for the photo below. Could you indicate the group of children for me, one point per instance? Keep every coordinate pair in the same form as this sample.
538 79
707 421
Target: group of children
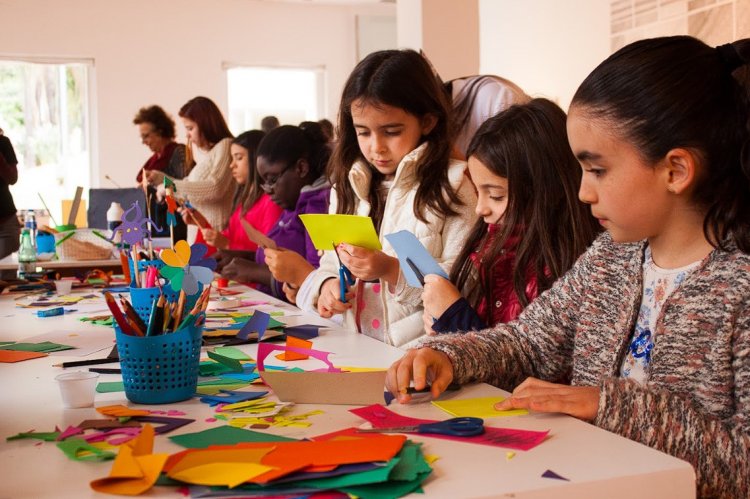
642 328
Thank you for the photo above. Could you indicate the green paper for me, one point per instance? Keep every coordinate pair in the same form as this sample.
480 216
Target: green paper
49 436
231 363
272 323
232 353
375 476
44 346
411 464
211 368
386 490
110 386
224 435
73 447
98 322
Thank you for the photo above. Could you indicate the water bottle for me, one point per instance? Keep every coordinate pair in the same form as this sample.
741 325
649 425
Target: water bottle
114 219
26 255
29 222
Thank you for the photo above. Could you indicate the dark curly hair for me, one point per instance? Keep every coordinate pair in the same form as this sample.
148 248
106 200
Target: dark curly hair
162 122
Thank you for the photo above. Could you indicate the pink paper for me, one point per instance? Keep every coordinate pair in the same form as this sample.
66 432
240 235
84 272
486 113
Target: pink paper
265 349
380 417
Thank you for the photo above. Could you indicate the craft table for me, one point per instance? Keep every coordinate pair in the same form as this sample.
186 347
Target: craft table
65 267
596 463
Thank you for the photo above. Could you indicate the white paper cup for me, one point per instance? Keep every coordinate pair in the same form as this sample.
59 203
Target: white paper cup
77 388
63 286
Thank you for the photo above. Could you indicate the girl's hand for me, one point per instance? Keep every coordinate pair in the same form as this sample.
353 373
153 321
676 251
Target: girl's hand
240 270
290 292
422 365
439 294
288 266
578 401
369 265
329 301
154 177
216 238
222 260
428 320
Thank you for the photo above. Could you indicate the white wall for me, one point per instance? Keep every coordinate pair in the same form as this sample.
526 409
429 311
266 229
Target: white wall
546 46
168 51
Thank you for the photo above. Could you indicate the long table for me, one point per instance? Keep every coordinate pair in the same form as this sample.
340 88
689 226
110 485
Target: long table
596 463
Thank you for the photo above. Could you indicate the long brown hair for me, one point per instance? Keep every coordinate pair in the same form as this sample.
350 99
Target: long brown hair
402 79
249 193
528 145
208 117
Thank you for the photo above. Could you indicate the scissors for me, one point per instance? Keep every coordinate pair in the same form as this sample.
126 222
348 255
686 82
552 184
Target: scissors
415 269
345 276
455 427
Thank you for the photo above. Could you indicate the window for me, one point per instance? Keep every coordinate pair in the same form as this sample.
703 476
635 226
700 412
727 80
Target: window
44 111
292 95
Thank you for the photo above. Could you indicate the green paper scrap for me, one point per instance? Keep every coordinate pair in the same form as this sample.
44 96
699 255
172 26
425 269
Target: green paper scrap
214 389
80 450
3 343
242 319
233 364
98 321
326 230
374 476
44 347
392 489
49 436
211 368
412 463
232 353
110 386
482 407
224 435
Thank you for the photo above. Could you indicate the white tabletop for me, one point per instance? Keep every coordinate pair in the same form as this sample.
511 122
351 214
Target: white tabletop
11 262
597 463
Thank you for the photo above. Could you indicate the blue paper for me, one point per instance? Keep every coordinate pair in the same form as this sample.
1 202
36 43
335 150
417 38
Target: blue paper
258 323
304 331
230 397
406 245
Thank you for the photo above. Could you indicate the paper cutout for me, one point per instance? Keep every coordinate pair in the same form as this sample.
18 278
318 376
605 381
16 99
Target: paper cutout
135 469
257 236
110 386
134 228
78 449
332 387
49 436
304 331
552 474
225 467
10 356
482 407
406 245
232 353
120 411
186 266
234 365
326 230
164 424
224 435
105 424
380 417
258 324
231 397
43 347
291 341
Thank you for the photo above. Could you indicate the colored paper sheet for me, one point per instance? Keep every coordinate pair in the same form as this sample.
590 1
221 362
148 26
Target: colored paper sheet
327 230
163 424
234 365
304 331
232 353
231 397
78 449
332 387
224 435
406 245
380 417
221 467
44 346
482 407
552 474
291 341
110 386
135 469
48 436
257 324
10 356
120 411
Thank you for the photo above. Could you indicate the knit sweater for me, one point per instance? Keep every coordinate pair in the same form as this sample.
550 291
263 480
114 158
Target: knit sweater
696 403
209 185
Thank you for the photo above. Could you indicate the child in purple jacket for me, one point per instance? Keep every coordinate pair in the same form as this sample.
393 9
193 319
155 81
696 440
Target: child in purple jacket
291 161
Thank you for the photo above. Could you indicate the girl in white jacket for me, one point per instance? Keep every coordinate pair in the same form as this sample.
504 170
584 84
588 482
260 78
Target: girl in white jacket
392 163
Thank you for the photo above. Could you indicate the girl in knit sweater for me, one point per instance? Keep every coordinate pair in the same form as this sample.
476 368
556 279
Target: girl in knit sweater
391 163
652 324
532 226
209 184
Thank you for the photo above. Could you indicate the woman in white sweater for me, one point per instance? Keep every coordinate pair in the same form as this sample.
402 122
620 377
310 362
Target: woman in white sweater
209 184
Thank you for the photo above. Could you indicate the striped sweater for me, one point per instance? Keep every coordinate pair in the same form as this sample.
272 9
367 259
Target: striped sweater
696 403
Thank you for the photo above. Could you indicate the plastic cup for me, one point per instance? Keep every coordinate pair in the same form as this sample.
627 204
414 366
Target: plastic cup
77 388
63 286
221 282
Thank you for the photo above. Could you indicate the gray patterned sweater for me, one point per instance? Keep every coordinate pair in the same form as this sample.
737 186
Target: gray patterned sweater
696 403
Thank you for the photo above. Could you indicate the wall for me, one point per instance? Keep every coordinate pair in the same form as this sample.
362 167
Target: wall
169 51
546 46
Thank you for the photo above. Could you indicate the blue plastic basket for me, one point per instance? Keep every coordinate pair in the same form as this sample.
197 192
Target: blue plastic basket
144 264
160 369
142 299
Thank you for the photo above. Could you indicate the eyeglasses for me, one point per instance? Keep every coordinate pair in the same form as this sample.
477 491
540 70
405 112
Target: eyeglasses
268 185
146 135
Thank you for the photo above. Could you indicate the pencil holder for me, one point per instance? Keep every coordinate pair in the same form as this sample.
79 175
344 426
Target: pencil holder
160 369
144 264
142 299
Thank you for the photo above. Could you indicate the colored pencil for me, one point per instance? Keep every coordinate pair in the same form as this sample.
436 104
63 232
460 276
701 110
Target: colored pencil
117 313
132 314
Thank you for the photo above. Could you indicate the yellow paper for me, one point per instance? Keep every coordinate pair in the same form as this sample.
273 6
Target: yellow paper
228 467
135 469
325 230
483 407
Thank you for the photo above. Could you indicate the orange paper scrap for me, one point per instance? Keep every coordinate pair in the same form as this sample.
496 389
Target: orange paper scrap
228 468
135 469
120 411
19 355
291 341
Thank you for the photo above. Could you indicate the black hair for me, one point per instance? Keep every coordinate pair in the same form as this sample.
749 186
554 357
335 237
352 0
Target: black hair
289 143
527 144
405 80
677 92
250 192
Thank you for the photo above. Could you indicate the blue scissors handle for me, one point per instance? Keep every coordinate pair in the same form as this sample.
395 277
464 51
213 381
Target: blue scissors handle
457 427
345 280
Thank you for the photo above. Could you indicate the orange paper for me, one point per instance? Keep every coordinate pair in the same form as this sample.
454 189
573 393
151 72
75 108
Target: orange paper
121 411
19 355
292 341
